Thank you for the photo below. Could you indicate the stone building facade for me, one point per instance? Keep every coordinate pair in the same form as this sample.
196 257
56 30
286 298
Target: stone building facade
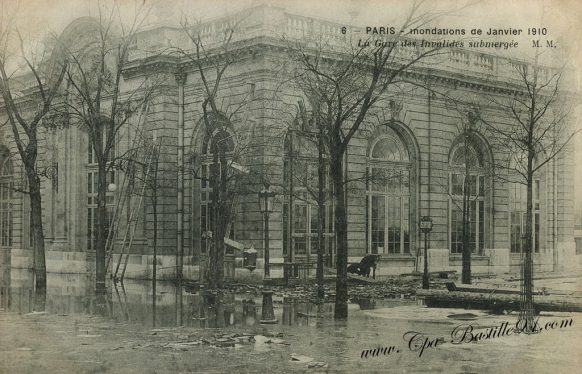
415 137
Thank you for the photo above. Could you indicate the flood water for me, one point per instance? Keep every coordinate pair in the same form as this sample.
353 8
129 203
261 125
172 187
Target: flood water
310 330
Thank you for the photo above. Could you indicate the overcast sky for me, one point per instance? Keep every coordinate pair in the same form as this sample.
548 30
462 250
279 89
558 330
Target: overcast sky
563 15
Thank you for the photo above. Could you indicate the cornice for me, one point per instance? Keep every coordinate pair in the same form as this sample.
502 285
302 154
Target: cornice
263 45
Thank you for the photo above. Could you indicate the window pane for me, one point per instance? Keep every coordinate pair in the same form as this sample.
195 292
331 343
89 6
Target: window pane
90 228
393 182
394 225
472 215
405 226
405 182
536 232
204 176
473 185
457 184
518 194
390 149
515 232
330 215
367 224
314 216
314 245
285 228
481 226
456 229
378 179
300 244
300 219
378 224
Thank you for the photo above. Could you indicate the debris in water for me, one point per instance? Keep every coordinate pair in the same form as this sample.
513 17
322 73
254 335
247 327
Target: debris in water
317 365
463 316
300 358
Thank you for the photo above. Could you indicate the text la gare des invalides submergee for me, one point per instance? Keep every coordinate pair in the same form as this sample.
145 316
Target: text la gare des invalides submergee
449 35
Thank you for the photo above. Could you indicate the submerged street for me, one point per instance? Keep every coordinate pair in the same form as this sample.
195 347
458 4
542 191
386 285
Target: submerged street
188 330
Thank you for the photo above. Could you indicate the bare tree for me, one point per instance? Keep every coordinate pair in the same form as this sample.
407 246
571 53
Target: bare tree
212 57
43 72
470 168
539 132
299 172
347 82
98 103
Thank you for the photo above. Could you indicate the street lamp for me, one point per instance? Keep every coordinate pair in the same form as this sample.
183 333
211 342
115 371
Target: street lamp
425 225
266 199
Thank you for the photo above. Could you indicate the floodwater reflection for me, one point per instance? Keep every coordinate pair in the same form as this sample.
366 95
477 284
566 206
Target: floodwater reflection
307 328
135 302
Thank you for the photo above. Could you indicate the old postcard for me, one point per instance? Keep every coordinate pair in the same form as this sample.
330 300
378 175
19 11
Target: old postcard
266 186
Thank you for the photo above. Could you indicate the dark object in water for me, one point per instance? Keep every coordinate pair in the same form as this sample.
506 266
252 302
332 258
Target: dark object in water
463 316
451 286
496 302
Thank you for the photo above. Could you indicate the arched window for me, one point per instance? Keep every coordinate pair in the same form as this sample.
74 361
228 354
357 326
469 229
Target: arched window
466 192
388 196
6 188
92 184
219 141
301 187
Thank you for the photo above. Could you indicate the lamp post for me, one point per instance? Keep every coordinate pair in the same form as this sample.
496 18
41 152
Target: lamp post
266 197
425 225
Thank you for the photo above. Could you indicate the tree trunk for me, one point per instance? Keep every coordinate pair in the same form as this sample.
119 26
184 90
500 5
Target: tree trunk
219 218
102 226
212 271
528 307
320 216
36 226
340 219
155 235
40 299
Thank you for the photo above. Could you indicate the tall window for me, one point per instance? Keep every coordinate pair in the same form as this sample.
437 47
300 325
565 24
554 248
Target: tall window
517 215
466 180
388 197
6 186
92 184
220 138
300 177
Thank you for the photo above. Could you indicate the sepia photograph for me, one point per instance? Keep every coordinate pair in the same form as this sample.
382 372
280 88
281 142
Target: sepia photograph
281 186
